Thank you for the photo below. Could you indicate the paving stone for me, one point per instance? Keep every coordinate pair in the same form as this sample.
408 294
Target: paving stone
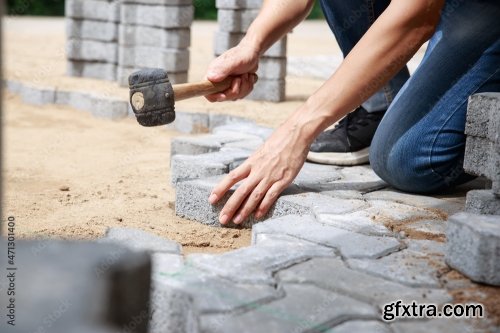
187 167
97 70
482 202
268 90
477 156
13 86
452 325
237 4
361 178
482 116
77 100
225 40
473 246
250 145
263 239
93 10
272 68
314 177
133 35
203 144
220 119
238 128
189 122
418 266
256 264
66 285
157 16
349 244
94 30
304 309
91 50
105 107
236 20
174 60
136 239
123 72
38 96
361 326
433 229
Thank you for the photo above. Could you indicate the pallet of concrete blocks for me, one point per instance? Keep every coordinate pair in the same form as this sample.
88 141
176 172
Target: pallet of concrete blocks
155 34
234 18
92 35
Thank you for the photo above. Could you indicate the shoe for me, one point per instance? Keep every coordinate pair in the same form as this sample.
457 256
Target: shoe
349 142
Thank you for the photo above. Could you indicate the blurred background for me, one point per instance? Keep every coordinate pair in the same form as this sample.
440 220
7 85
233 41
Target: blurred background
204 9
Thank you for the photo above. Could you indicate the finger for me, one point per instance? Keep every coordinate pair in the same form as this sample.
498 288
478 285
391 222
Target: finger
246 86
252 201
270 198
236 199
218 97
227 182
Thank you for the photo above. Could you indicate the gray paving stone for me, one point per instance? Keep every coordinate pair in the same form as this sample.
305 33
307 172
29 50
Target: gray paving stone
268 90
225 40
236 20
418 266
37 95
157 16
473 246
96 70
93 10
349 244
94 30
133 35
237 4
66 285
314 177
188 167
173 60
477 156
92 50
361 178
332 274
361 326
251 145
482 202
256 264
272 68
111 108
203 144
482 116
190 122
75 99
452 325
238 128
426 228
139 240
304 309
13 86
263 239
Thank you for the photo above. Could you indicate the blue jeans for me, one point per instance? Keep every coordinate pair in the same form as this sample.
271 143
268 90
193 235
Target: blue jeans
419 145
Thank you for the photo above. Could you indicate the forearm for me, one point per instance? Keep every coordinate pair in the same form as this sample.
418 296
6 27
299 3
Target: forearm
382 52
275 19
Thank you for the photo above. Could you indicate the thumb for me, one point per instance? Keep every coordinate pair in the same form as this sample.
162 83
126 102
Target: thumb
221 68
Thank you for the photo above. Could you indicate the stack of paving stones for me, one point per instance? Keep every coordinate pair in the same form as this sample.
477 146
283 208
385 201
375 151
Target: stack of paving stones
155 34
474 236
234 18
92 32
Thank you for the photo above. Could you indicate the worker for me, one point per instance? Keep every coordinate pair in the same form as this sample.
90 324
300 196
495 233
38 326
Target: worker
411 129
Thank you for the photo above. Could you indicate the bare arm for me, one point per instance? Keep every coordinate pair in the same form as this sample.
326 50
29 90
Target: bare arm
391 41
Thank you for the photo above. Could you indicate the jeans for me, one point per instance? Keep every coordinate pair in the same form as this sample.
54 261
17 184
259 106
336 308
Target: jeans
419 145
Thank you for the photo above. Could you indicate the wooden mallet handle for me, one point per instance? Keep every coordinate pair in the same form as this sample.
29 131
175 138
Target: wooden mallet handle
203 88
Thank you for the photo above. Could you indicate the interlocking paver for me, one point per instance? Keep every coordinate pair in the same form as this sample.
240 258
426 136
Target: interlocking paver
361 326
137 239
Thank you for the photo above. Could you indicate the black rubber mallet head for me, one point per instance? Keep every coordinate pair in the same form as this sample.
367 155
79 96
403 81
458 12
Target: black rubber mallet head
153 97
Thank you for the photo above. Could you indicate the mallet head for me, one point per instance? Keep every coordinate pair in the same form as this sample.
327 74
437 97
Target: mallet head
152 97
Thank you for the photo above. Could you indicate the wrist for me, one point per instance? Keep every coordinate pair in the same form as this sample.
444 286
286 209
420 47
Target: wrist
252 43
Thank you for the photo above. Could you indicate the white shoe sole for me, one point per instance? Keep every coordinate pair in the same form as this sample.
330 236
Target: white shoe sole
345 159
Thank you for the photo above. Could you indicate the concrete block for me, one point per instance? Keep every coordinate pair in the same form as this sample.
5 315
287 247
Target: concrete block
333 275
203 144
188 167
257 264
105 107
238 4
124 72
482 202
75 99
236 20
483 119
473 246
477 156
38 96
272 68
349 244
268 90
157 16
139 240
218 119
248 128
13 86
172 60
418 266
93 10
96 70
190 122
132 35
81 284
361 326
225 40
313 177
93 30
304 309
90 50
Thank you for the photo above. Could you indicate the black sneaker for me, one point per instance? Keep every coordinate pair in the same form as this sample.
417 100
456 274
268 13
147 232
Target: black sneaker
349 142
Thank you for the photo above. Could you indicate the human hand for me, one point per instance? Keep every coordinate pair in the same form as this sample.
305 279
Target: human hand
241 61
265 174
